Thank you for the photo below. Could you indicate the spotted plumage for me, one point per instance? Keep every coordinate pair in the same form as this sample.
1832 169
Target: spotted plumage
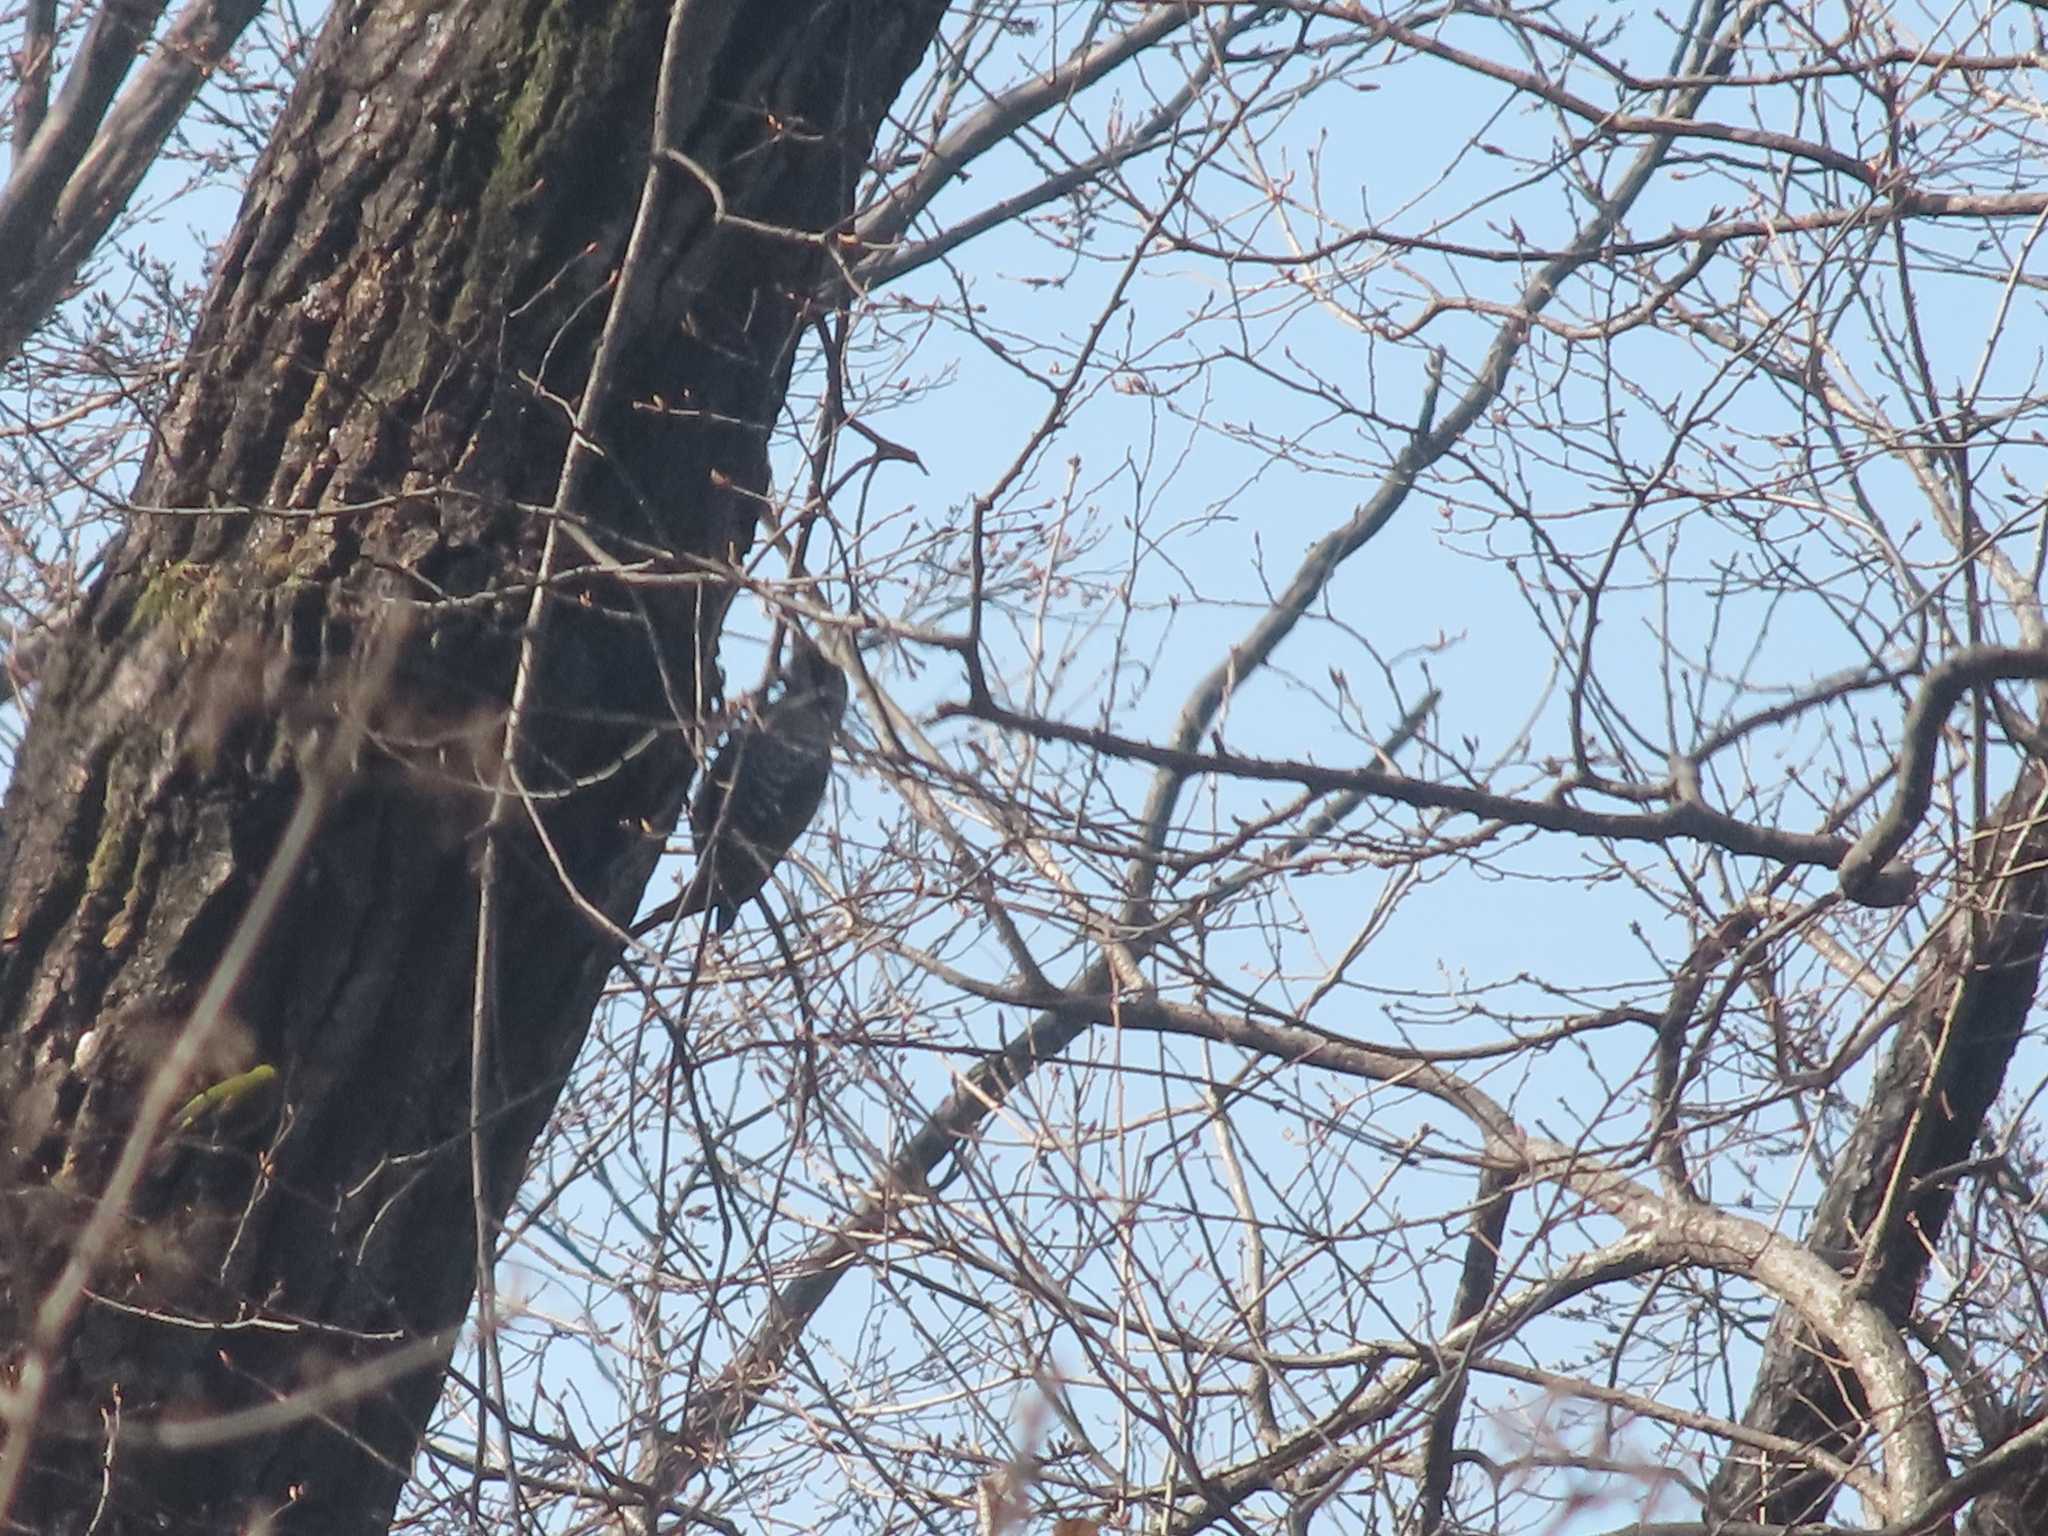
764 787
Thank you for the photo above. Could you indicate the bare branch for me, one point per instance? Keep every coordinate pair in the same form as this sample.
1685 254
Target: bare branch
86 161
1945 683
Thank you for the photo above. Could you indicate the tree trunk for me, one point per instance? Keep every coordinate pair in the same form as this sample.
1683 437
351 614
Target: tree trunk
399 330
1895 1182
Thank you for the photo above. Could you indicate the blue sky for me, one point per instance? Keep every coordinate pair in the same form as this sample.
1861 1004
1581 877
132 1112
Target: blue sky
1190 454
1234 414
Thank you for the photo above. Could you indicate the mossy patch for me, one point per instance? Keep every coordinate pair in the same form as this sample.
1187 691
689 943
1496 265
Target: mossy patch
114 855
178 595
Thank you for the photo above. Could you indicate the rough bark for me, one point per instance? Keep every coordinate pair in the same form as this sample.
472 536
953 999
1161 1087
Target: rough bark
1895 1182
400 323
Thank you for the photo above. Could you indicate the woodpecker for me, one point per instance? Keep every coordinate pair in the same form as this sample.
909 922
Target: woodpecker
764 787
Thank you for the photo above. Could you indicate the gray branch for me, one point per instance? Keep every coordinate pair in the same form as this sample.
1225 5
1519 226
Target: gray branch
90 153
1863 870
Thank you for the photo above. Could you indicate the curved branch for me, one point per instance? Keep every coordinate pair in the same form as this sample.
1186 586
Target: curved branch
996 120
1863 867
1686 1230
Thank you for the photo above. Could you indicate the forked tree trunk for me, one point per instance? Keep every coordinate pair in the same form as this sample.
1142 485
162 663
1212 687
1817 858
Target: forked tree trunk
1895 1182
372 419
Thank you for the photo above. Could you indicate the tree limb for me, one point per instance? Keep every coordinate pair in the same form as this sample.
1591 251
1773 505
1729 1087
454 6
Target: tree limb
1863 868
73 180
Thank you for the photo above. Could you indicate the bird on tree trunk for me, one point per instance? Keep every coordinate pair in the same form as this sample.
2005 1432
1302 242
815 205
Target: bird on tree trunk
764 787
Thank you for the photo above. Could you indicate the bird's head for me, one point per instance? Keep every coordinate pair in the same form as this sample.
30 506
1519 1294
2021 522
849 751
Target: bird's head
811 676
